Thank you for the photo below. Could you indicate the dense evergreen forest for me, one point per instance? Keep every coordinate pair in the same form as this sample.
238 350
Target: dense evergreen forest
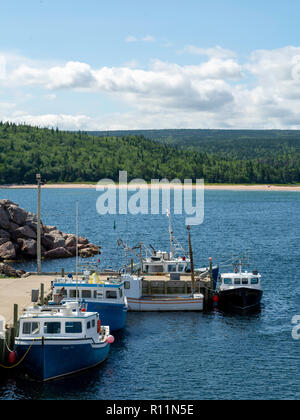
218 156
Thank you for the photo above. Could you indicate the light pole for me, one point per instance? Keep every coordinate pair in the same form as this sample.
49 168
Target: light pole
191 260
39 259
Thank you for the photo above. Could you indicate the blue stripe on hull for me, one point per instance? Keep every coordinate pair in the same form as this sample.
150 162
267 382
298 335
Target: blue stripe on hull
51 361
112 315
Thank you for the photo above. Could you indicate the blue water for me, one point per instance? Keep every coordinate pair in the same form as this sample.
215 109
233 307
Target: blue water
188 355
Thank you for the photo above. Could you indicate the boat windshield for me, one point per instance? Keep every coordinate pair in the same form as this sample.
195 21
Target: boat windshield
255 280
172 268
31 328
227 281
52 328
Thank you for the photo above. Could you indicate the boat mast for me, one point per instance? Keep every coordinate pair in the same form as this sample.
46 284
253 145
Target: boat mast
192 260
172 251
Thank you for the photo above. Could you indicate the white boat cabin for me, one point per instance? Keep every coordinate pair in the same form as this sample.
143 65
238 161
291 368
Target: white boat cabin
133 286
59 322
240 280
64 290
164 262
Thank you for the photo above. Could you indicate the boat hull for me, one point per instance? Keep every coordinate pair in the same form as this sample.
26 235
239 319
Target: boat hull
53 359
242 299
156 304
113 315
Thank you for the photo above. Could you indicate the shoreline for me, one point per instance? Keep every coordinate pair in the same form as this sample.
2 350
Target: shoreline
212 187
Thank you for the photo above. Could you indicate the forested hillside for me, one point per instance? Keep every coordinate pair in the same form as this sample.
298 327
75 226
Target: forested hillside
80 157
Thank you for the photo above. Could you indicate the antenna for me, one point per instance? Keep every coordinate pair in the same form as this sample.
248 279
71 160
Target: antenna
171 234
175 246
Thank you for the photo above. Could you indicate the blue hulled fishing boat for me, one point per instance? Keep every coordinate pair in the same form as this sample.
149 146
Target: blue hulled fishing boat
58 341
105 297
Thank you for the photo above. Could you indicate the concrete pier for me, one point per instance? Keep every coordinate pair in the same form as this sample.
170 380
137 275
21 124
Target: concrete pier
18 291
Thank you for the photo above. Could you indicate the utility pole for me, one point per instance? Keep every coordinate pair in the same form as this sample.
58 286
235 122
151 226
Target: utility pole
39 258
192 260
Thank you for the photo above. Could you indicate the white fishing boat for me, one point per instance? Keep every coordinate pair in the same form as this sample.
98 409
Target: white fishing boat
155 303
175 262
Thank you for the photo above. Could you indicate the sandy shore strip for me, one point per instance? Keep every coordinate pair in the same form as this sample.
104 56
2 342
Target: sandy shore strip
220 187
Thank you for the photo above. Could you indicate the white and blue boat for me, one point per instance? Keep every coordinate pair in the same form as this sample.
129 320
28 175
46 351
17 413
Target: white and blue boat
56 341
105 297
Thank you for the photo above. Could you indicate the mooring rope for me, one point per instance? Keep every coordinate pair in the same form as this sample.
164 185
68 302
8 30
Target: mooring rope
21 360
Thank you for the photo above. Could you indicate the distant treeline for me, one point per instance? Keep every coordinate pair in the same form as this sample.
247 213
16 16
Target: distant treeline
218 156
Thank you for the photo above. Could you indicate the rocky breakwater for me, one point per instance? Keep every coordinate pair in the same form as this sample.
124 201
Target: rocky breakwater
18 237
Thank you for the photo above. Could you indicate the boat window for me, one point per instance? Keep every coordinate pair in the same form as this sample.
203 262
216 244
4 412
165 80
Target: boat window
88 325
52 328
255 280
31 328
237 281
72 293
227 281
127 285
111 294
181 267
62 292
244 281
73 327
172 268
93 323
121 293
156 269
86 294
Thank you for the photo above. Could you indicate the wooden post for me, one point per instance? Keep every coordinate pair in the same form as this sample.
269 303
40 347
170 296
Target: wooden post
16 315
166 287
42 293
192 260
211 274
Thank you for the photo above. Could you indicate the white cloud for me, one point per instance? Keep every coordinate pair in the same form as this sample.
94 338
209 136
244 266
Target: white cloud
219 92
148 38
131 38
216 52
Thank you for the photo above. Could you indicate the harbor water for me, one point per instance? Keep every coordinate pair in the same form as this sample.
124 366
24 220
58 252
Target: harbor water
187 355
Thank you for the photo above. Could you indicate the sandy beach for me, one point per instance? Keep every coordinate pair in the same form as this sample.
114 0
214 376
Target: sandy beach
207 187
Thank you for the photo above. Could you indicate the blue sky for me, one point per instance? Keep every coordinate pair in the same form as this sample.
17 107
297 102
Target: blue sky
160 64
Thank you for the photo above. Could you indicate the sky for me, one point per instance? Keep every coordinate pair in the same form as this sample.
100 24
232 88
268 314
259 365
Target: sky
135 64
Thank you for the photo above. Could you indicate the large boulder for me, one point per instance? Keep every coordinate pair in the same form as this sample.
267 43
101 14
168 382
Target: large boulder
4 219
27 247
49 229
16 214
4 236
7 251
25 232
58 253
82 241
8 271
71 241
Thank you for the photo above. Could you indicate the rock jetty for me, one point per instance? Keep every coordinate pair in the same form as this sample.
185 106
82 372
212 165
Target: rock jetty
18 237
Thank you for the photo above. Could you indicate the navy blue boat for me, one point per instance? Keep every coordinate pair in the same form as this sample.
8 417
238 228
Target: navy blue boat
60 341
105 297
